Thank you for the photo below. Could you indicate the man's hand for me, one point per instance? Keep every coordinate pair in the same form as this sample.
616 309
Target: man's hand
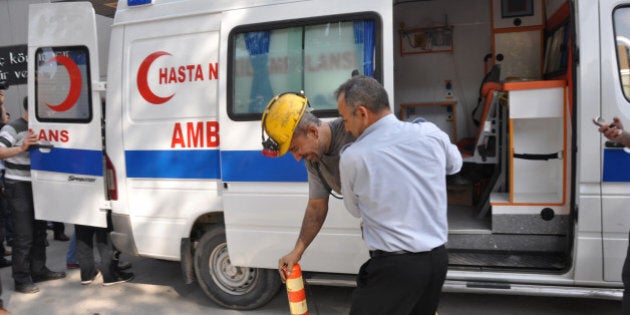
28 141
285 264
613 131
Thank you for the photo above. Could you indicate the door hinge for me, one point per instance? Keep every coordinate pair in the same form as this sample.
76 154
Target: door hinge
99 86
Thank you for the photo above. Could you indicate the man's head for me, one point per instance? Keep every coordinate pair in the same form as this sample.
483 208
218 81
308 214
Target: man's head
361 101
3 86
291 128
279 120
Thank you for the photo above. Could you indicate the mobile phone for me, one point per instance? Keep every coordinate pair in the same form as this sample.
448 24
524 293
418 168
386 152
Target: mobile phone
599 121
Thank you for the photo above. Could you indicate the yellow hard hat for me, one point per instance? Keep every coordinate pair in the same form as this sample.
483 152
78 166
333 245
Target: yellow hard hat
279 119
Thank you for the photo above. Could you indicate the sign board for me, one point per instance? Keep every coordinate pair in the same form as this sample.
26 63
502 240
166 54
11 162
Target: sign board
13 64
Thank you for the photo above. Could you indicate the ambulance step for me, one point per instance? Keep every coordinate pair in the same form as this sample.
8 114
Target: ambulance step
533 261
507 242
333 279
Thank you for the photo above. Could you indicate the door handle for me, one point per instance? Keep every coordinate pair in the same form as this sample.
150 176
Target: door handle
43 146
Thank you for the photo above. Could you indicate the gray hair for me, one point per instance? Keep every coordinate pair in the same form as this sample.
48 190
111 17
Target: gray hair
307 120
366 91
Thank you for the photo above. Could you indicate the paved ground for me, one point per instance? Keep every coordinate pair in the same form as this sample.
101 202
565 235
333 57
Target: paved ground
158 289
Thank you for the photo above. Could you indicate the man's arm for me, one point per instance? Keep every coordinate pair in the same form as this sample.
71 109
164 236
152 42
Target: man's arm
454 159
347 171
7 152
314 217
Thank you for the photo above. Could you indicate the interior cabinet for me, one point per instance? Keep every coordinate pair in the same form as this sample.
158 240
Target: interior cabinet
519 54
537 143
516 13
517 28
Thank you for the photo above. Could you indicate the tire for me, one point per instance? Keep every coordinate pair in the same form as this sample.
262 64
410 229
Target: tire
229 286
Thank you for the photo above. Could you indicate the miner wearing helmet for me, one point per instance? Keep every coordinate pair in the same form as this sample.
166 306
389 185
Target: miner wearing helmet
291 127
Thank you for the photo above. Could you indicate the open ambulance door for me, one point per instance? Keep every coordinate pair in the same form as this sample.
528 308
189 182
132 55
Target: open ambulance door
65 112
615 101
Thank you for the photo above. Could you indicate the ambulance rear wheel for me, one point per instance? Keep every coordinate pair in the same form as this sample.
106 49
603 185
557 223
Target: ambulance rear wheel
228 285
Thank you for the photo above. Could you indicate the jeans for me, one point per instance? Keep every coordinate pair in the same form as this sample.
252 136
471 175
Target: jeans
85 252
71 254
29 240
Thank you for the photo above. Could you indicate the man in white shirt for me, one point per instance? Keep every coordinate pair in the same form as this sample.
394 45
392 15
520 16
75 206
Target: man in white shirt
394 178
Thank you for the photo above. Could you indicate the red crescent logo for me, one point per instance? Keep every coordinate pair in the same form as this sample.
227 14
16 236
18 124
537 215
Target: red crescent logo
143 83
75 83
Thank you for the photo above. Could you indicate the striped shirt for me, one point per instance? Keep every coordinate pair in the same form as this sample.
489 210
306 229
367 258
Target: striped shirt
17 167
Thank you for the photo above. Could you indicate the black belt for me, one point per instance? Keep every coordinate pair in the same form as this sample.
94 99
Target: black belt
379 253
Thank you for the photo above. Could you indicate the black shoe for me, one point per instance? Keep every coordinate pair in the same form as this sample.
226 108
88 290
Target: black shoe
27 288
88 281
124 265
5 263
48 275
61 237
119 278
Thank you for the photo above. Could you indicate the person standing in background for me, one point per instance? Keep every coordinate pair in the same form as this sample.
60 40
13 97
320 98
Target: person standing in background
29 243
4 214
3 261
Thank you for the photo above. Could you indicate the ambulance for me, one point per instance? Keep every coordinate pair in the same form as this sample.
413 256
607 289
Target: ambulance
165 145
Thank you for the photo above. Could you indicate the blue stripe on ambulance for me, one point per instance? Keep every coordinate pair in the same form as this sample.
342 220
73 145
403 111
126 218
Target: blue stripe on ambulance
616 165
252 166
238 166
72 161
199 164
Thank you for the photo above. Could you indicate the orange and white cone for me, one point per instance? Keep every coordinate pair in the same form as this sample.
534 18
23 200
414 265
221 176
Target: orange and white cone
295 292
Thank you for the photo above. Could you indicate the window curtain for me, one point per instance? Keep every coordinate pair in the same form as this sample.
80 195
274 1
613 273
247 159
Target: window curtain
364 36
257 44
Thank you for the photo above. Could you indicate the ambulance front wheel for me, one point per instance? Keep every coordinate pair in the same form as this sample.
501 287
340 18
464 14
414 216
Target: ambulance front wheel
228 285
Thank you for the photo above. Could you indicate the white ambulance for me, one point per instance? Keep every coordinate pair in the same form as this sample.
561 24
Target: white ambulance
168 146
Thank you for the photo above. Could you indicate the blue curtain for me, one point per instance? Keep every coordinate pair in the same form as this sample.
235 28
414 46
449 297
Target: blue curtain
364 35
257 44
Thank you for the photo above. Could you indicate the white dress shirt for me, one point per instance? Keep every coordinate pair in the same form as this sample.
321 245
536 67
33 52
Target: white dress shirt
394 177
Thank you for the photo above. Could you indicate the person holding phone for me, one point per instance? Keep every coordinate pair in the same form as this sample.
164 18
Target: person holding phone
615 132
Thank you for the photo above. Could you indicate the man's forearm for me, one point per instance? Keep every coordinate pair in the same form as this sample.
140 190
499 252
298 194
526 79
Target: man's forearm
313 221
9 152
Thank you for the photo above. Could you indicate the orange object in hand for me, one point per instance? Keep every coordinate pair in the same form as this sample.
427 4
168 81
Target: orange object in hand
295 291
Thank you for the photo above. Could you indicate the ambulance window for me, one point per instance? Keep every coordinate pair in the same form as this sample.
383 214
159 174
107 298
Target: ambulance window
313 57
62 84
622 37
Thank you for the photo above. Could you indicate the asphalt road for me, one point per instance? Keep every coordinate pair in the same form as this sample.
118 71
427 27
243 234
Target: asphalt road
159 289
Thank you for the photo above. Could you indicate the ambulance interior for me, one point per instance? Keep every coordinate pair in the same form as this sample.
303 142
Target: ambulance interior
496 76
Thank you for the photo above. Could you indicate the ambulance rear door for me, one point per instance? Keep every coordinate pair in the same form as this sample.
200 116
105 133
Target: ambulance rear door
65 113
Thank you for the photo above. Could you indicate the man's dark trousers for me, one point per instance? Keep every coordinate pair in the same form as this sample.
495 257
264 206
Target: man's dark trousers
408 283
29 240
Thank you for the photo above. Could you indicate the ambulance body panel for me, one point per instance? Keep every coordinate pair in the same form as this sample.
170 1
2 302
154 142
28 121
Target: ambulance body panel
539 208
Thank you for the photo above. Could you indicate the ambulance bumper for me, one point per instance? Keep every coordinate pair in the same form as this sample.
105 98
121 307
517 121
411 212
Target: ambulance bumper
122 236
